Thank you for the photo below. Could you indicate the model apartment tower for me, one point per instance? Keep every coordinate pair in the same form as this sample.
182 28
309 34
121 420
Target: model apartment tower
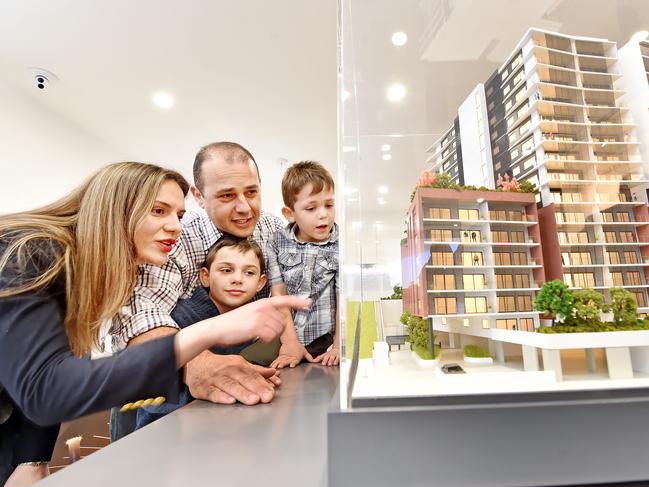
557 113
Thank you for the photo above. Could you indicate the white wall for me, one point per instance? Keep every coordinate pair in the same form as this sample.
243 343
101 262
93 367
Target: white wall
42 156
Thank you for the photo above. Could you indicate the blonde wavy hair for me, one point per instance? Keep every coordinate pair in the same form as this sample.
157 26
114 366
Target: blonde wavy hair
88 235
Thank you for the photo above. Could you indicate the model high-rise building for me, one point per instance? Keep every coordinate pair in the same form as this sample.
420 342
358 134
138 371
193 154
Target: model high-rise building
556 114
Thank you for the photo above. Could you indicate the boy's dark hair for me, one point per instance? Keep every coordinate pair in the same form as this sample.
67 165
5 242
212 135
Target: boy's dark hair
242 244
299 175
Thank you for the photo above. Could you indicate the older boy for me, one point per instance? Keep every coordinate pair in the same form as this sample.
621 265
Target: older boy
303 260
232 274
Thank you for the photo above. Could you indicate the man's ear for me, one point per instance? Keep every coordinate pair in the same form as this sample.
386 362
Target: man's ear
263 279
204 276
288 214
196 193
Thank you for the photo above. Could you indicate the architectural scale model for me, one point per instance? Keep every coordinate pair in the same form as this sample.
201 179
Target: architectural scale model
569 115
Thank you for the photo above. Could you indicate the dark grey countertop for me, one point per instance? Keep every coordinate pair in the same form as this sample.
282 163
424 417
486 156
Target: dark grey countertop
283 443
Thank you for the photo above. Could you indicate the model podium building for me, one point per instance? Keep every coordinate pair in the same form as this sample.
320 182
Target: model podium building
473 260
558 113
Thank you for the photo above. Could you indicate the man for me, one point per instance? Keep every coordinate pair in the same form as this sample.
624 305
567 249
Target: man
227 187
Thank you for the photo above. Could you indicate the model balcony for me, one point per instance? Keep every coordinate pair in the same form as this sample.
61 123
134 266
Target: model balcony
513 314
529 243
531 265
527 221
482 291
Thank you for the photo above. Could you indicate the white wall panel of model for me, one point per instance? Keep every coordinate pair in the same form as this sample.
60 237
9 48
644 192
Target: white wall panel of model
42 156
476 148
636 84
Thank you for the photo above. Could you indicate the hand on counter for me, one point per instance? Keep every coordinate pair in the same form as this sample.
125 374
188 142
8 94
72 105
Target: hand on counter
291 354
329 358
225 379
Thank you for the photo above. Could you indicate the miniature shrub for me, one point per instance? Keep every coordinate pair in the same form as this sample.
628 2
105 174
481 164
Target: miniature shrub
475 351
417 328
595 327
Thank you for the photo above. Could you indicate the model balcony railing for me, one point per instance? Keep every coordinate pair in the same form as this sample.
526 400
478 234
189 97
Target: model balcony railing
558 138
596 86
553 156
558 119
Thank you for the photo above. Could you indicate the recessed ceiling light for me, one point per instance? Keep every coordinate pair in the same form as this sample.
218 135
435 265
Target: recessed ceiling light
386 157
640 36
163 100
385 147
380 200
383 189
396 92
350 190
349 148
399 38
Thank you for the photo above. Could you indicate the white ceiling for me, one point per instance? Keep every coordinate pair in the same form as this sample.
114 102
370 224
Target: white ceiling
258 72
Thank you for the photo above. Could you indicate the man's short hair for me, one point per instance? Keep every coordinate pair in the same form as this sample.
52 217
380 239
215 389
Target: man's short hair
299 175
230 151
242 244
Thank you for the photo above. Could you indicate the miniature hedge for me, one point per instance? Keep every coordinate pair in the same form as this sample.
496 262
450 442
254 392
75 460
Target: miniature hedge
418 335
474 351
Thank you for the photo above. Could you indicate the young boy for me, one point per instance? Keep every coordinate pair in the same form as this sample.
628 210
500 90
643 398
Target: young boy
232 274
303 260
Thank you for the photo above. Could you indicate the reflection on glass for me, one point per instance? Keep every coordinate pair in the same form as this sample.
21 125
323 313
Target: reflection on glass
518 157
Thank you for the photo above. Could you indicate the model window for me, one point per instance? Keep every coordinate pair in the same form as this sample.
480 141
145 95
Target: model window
475 304
473 281
627 237
527 324
524 303
471 258
470 236
633 278
630 257
442 258
439 213
466 214
617 278
444 282
445 306
504 281
521 281
641 299
441 235
613 257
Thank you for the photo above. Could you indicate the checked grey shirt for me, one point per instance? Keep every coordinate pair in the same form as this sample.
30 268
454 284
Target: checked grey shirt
159 288
308 269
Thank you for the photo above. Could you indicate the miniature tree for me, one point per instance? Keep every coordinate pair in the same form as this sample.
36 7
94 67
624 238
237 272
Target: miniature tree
556 300
588 304
624 306
527 187
405 318
397 293
443 181
419 336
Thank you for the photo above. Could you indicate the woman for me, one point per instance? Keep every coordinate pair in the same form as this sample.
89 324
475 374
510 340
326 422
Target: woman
67 267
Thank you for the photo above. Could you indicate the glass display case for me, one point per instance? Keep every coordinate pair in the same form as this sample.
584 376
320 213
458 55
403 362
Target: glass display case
494 161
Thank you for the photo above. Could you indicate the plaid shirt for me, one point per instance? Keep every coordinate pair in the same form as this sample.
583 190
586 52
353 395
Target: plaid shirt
159 288
308 269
